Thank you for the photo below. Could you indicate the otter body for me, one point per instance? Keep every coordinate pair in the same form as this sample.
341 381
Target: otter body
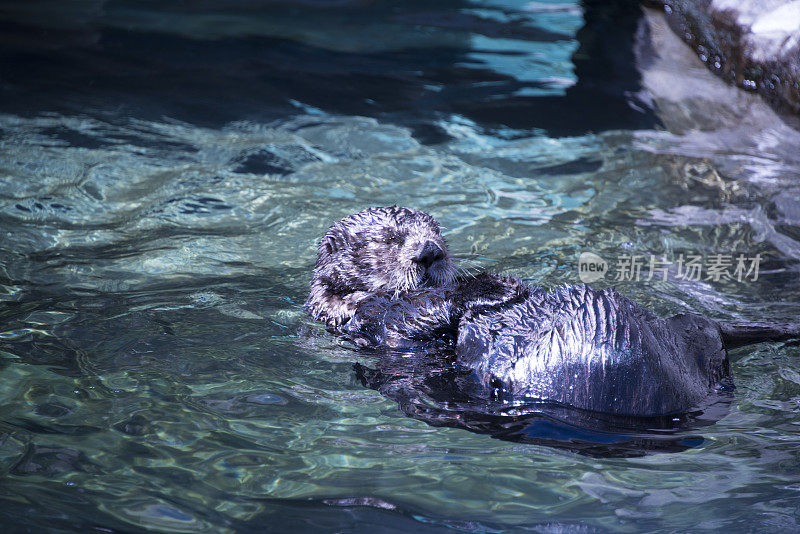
594 350
574 346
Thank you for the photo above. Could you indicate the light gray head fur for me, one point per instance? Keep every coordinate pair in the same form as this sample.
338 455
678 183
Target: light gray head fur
381 249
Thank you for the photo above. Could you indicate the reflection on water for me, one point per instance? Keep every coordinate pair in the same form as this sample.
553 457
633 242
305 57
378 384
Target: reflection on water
166 174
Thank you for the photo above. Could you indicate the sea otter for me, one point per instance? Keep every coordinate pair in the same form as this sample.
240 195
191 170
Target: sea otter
384 278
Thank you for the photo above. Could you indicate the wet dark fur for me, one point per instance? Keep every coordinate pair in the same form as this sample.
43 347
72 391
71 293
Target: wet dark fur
575 346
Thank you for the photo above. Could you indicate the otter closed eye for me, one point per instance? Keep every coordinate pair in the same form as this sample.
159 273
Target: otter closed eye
394 239
574 345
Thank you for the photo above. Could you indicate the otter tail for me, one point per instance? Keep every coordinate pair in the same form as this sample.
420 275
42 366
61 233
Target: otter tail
740 334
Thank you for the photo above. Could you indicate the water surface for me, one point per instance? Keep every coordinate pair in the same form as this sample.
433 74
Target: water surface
166 173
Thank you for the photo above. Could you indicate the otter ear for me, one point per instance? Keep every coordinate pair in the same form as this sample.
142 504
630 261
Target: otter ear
330 244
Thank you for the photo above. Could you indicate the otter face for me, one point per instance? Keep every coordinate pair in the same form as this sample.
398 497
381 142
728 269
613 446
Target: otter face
387 249
378 249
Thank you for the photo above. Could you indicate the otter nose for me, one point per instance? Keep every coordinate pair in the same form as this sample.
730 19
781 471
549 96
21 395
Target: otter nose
430 253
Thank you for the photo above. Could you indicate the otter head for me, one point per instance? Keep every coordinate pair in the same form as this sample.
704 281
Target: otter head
388 249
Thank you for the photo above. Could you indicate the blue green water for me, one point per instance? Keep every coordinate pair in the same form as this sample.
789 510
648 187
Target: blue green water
166 172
